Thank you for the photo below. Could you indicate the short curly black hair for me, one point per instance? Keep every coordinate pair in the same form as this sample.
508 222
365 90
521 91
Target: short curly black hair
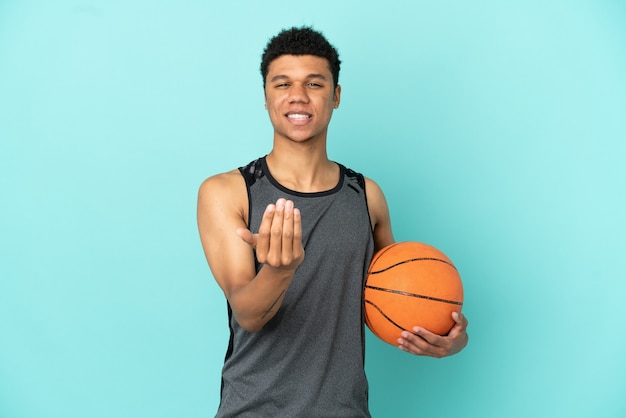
300 41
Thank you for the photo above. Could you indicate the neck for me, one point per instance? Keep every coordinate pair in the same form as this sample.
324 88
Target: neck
302 167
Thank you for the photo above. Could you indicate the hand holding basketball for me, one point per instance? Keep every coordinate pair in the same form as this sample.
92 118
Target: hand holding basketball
279 241
413 298
422 342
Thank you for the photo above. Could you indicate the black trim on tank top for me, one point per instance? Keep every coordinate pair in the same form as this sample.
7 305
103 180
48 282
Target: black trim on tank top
275 183
252 172
359 178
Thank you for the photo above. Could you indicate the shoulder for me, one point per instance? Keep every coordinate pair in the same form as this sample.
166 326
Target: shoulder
226 183
224 192
372 187
375 199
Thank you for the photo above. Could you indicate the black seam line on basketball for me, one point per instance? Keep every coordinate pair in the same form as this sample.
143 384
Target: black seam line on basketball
411 260
415 295
383 314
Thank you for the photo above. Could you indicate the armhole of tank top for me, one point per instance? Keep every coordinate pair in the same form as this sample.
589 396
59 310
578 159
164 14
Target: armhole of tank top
242 171
361 178
249 179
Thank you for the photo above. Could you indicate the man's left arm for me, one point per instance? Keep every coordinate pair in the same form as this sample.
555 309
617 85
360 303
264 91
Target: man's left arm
420 341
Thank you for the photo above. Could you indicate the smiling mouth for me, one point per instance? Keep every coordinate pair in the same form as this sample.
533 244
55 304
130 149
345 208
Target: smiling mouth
298 116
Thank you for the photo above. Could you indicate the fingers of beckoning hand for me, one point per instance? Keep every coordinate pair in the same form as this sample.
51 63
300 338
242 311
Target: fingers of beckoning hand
263 236
292 252
287 247
280 235
277 230
298 248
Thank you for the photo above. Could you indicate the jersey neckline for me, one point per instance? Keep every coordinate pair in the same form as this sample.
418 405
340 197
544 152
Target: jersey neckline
275 183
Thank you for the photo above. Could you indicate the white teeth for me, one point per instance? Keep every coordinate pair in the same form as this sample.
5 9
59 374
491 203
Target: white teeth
298 116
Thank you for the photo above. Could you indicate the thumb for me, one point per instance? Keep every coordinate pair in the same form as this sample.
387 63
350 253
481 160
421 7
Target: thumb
460 323
247 236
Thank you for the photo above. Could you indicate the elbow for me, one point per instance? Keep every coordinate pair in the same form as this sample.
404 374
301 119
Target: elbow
248 317
250 325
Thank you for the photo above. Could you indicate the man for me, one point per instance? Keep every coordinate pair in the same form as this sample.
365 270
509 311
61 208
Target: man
289 238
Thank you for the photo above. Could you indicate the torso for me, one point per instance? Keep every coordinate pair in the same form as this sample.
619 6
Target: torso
309 358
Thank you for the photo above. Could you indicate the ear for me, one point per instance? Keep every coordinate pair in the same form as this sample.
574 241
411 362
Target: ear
337 96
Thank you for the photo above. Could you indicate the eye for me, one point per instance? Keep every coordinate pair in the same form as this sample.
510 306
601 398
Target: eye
314 85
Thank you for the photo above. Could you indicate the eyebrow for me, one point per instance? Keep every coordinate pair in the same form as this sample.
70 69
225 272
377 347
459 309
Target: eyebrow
310 76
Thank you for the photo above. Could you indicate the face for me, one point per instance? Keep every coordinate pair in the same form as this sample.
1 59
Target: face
300 97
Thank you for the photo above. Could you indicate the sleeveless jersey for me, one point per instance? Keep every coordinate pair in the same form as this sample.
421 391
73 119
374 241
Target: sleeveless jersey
308 360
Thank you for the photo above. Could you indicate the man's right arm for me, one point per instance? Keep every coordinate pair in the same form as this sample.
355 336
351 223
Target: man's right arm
229 247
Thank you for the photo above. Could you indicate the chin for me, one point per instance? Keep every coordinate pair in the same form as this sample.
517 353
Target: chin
302 138
296 136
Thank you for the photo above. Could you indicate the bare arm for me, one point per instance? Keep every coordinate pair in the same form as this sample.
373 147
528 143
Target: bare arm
229 248
379 214
421 341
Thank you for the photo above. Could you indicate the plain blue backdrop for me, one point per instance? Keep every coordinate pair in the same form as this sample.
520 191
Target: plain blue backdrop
496 129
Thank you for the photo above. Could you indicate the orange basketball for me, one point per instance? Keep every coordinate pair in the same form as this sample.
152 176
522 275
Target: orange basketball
411 284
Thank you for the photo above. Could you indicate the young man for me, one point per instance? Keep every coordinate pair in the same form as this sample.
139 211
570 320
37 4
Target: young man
289 238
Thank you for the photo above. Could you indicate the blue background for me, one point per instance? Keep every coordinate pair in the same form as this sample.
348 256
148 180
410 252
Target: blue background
496 129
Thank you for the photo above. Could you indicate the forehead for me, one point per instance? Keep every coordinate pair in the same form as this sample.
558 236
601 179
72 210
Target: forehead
298 66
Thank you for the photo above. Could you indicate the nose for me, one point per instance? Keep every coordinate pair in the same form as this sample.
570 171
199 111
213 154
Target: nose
298 93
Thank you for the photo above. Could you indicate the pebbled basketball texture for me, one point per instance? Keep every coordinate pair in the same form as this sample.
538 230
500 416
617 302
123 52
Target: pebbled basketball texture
411 284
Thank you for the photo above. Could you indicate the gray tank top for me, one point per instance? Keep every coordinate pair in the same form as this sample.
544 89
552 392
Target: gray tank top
308 360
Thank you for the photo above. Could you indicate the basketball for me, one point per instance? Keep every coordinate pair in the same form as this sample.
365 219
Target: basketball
411 284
